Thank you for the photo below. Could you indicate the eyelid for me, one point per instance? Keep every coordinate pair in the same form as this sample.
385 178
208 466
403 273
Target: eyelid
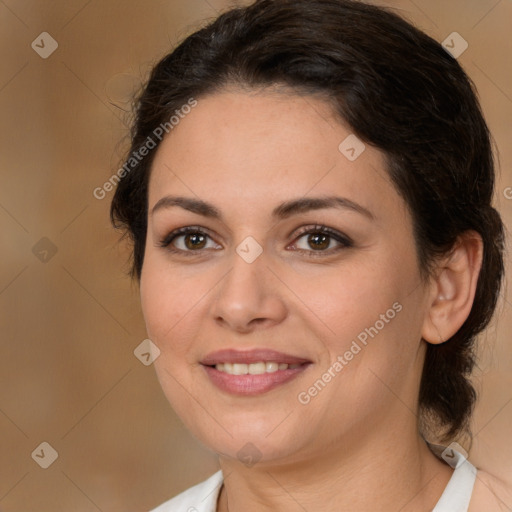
185 230
322 228
344 241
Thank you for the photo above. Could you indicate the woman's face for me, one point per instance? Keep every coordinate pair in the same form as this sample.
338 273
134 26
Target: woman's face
328 324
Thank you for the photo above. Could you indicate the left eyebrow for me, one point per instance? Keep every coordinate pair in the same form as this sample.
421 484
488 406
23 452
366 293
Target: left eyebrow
282 211
306 204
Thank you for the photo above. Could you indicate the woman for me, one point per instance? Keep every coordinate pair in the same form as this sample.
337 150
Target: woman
309 196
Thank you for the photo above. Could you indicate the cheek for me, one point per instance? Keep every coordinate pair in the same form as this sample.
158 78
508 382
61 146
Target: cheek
175 302
165 303
370 315
344 301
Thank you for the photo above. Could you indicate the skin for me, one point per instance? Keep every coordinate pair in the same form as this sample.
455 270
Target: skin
355 445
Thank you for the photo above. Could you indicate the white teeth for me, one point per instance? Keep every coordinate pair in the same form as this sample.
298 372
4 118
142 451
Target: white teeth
253 368
271 367
257 368
240 369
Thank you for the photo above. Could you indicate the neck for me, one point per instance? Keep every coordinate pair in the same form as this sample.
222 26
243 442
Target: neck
397 471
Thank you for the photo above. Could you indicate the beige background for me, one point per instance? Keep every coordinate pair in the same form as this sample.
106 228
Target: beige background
69 325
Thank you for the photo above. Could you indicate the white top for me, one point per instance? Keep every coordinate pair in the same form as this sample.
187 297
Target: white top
455 498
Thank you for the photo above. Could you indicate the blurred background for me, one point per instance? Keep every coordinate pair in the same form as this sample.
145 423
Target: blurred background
70 316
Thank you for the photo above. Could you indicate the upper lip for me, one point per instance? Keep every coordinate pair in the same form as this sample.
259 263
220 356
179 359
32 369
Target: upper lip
251 356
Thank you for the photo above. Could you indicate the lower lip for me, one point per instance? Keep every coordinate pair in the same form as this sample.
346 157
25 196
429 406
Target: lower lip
252 384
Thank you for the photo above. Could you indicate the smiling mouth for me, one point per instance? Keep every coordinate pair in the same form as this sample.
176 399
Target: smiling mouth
252 372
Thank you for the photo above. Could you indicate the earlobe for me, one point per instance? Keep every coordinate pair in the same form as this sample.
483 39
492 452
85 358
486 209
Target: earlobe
453 289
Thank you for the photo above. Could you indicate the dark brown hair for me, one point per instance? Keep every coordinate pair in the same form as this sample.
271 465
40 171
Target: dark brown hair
399 91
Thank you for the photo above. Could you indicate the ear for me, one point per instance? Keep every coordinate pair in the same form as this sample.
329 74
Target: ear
453 289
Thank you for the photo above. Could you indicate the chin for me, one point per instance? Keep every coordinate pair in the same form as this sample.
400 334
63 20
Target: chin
265 442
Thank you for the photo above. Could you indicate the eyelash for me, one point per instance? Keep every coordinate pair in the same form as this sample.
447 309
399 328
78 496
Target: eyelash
345 241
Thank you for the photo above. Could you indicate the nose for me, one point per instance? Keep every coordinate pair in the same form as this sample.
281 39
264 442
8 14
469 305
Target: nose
249 297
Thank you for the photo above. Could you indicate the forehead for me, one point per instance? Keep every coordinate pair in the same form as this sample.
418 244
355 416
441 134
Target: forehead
254 148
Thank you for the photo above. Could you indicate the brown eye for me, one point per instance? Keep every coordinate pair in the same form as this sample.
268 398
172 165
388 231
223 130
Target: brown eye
194 241
187 240
319 241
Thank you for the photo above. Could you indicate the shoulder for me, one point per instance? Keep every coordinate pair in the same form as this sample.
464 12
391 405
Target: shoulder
200 498
490 493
